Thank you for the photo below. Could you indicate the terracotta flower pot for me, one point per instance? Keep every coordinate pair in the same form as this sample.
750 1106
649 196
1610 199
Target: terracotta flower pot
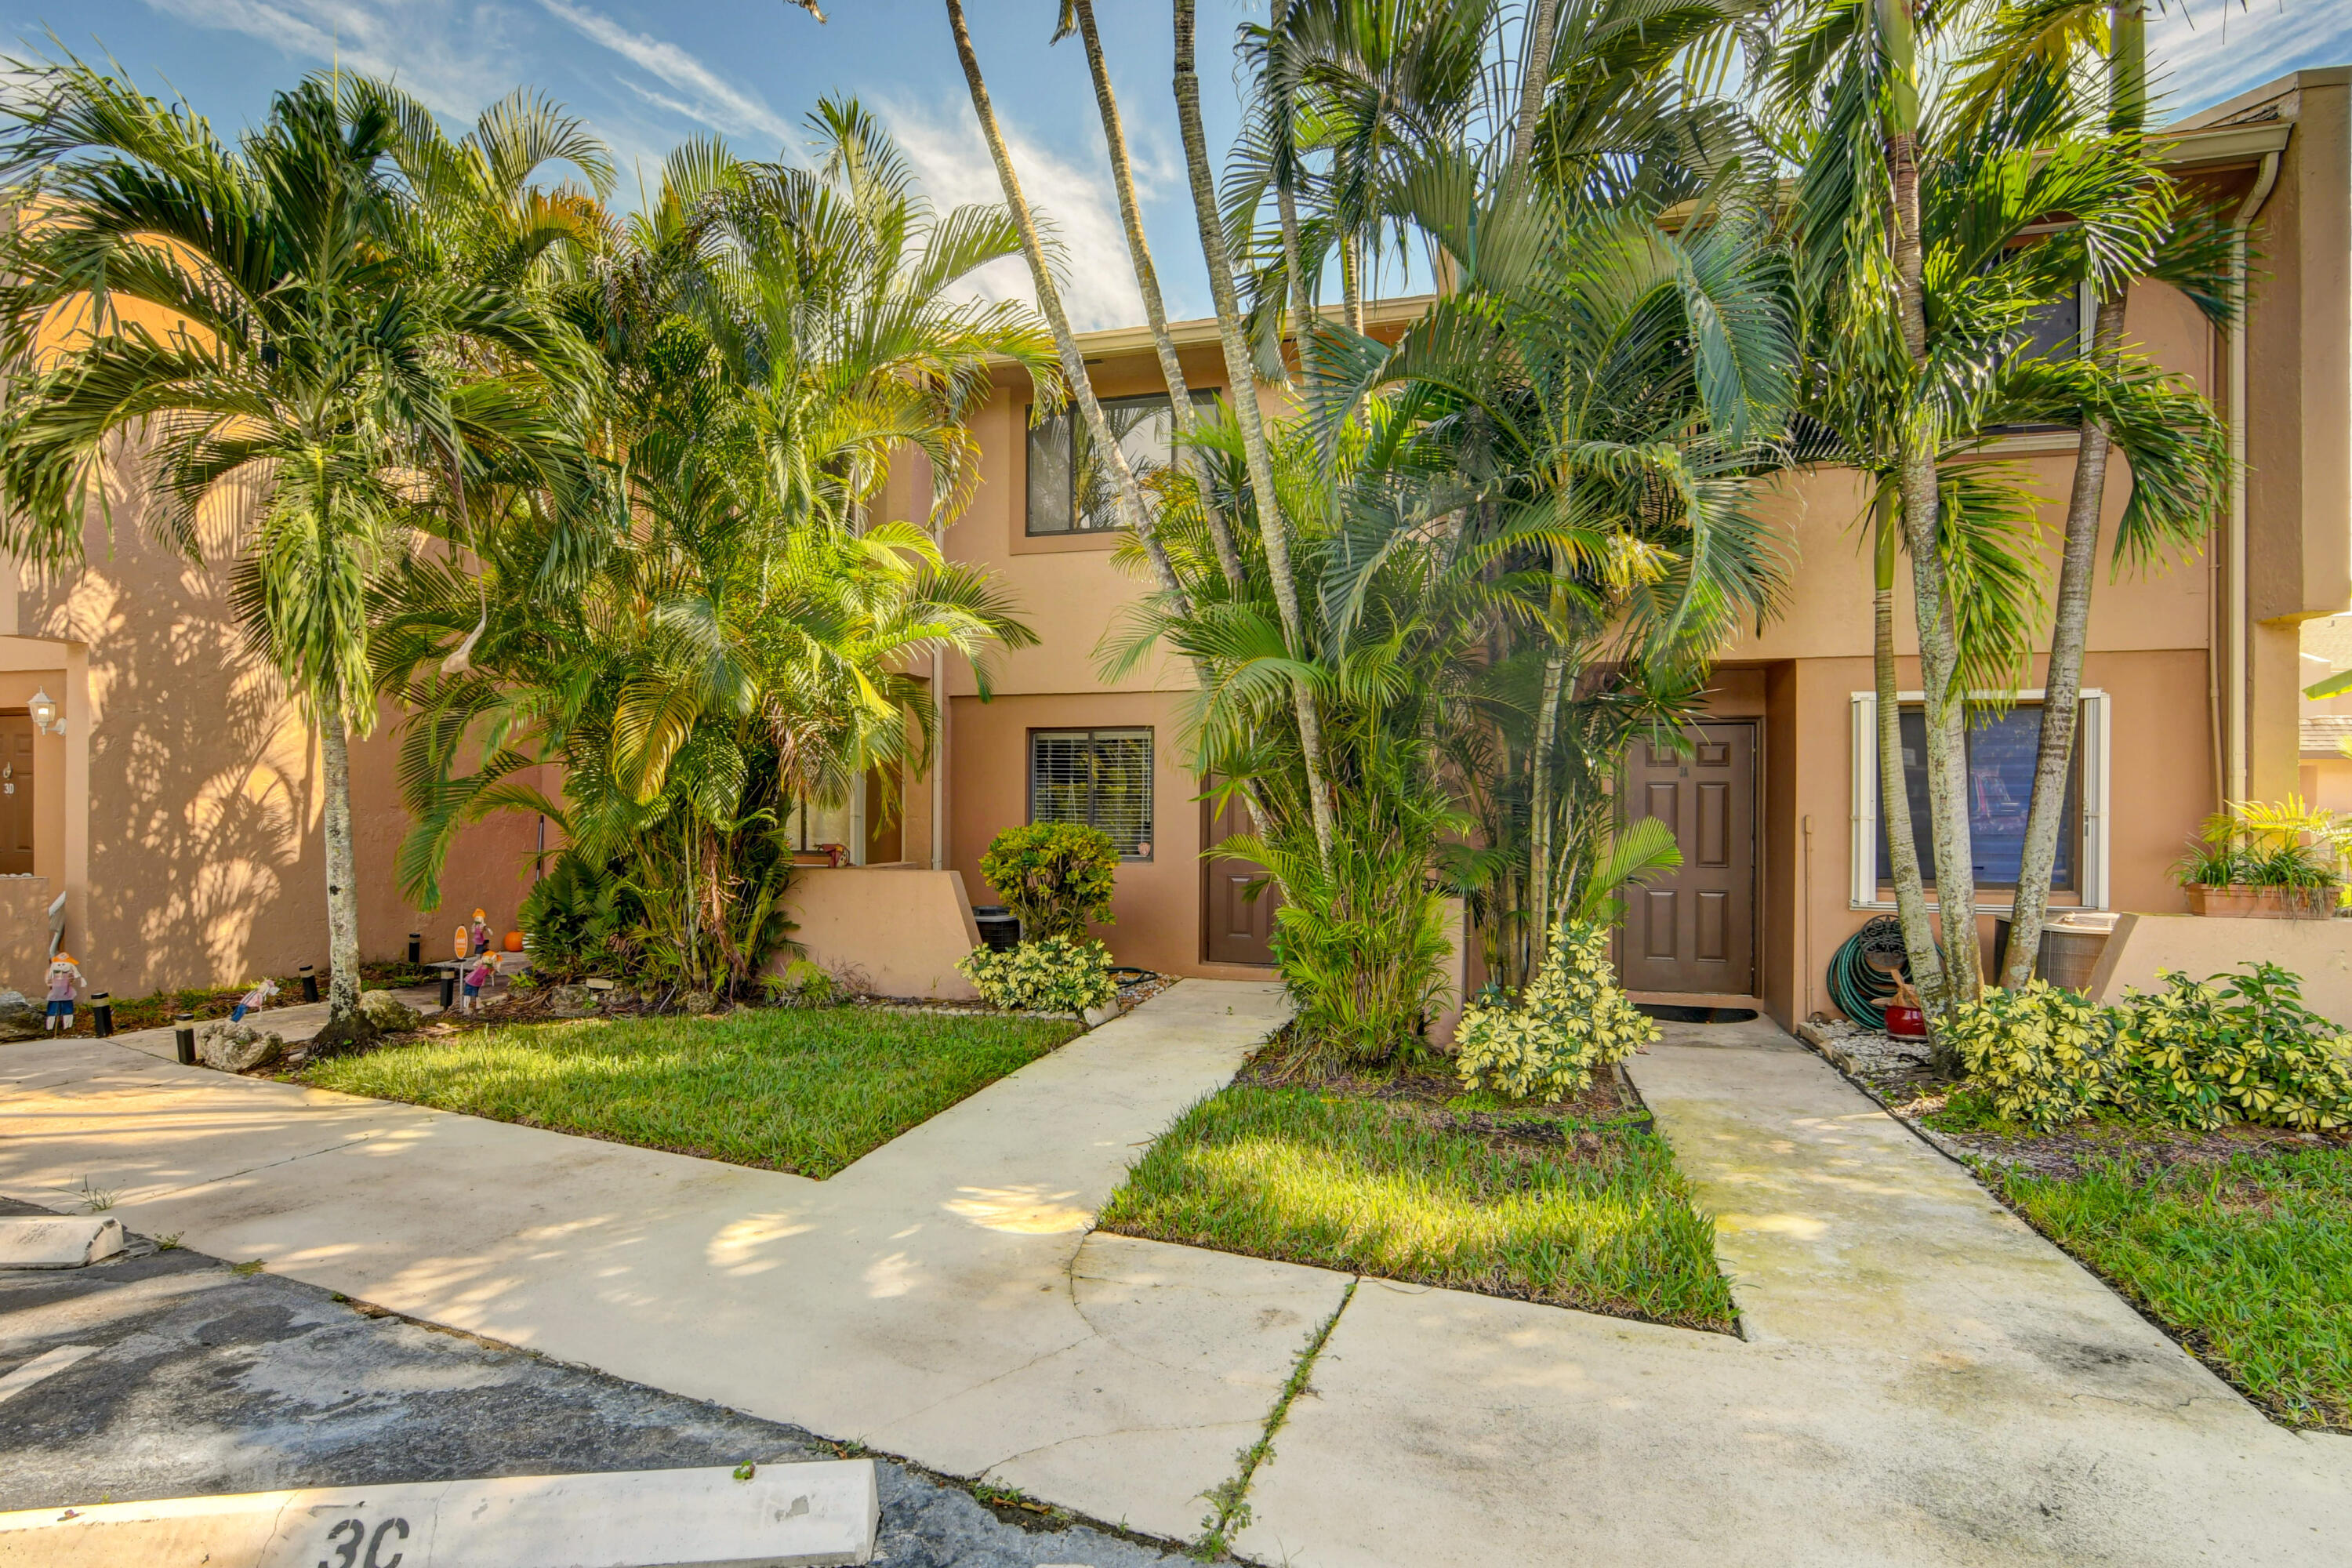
2241 901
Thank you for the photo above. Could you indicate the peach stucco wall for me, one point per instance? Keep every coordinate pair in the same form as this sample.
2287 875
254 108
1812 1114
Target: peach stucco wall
893 931
2144 946
187 788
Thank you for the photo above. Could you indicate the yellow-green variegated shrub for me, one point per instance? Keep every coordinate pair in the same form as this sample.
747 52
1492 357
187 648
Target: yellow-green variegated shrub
1056 975
1572 1021
2237 1046
2046 1055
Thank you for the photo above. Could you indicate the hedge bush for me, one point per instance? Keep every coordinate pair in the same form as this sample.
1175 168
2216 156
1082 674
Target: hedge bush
1056 875
2239 1047
2047 1055
2194 1054
1057 975
1571 1022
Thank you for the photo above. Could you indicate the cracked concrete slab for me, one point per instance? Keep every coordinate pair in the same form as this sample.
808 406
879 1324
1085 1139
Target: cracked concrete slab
194 1380
923 1301
1924 1381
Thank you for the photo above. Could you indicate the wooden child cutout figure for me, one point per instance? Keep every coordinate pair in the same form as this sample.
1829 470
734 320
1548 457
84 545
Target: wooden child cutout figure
65 982
478 970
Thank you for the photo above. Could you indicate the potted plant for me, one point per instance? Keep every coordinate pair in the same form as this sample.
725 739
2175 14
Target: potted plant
2267 862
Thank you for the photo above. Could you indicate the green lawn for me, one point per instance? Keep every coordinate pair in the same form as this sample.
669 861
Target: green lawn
2249 1259
1544 1206
786 1088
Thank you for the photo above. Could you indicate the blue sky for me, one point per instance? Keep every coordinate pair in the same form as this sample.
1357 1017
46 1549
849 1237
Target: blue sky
647 74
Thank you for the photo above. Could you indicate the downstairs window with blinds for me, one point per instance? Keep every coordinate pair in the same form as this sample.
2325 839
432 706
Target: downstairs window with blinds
1095 778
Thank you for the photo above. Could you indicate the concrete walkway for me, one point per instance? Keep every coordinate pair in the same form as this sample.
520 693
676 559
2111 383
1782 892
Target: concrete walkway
938 1299
1922 1380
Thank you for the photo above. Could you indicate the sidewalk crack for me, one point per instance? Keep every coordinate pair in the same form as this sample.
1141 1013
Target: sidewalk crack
1229 1498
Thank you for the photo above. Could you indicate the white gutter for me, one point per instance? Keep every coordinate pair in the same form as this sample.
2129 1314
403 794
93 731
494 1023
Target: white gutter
2235 606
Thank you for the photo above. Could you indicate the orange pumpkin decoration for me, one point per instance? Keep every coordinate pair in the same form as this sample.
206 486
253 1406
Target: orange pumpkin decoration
514 941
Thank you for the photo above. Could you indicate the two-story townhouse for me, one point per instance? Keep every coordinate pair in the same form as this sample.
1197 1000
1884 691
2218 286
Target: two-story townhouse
174 798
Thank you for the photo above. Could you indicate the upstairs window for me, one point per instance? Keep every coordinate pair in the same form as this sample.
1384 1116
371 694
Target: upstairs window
1069 490
1095 778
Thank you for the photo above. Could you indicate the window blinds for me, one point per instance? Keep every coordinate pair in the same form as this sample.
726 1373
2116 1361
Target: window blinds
1096 778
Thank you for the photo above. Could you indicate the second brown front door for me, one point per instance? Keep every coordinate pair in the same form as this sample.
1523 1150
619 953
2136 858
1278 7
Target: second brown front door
16 794
1695 928
1234 927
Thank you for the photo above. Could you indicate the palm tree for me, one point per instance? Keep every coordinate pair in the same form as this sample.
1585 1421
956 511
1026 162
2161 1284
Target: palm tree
1133 506
731 638
305 359
1241 382
1080 14
1922 263
2056 49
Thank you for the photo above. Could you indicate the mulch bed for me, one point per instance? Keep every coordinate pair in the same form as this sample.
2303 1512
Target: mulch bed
1899 1076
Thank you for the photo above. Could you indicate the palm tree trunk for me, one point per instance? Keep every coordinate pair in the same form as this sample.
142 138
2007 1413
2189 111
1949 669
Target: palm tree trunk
1894 819
1241 376
1947 783
1535 76
1132 503
1539 809
1351 284
2062 685
342 881
1155 311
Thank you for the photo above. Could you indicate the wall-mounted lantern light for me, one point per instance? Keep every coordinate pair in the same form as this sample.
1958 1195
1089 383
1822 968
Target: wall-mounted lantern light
48 713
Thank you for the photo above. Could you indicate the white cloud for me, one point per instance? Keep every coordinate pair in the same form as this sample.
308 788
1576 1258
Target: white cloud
707 96
2214 50
450 53
952 165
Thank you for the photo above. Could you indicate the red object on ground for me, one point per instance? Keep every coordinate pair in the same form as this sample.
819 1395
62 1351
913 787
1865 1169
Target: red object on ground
1909 1023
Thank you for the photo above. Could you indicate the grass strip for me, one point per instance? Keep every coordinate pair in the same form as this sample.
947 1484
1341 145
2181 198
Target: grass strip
1586 1214
806 1090
2249 1260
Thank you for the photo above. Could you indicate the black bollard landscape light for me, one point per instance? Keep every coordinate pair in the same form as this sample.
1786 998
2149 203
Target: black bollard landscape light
183 1036
101 1013
309 973
415 946
449 988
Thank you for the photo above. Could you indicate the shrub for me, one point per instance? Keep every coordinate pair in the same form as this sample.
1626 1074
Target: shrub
1571 1021
1056 975
580 918
2288 844
2045 1055
2240 1046
1056 875
802 984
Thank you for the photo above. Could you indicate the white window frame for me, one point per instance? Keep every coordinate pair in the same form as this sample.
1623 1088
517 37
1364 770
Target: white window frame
2091 746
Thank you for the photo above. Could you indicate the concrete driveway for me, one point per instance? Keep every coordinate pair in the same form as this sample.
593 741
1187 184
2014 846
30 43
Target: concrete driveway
1922 1380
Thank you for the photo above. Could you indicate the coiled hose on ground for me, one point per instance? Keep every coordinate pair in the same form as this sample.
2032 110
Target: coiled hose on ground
1862 989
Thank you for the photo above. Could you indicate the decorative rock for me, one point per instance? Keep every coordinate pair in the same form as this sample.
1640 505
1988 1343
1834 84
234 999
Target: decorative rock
697 1002
825 1511
20 1019
388 1013
571 1001
238 1047
57 1241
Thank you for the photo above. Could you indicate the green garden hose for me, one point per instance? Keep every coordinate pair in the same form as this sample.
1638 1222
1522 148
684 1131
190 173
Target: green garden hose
1861 989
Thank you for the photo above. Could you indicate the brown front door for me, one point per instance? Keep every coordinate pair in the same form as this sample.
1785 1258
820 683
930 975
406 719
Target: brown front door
16 794
1234 927
1695 928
